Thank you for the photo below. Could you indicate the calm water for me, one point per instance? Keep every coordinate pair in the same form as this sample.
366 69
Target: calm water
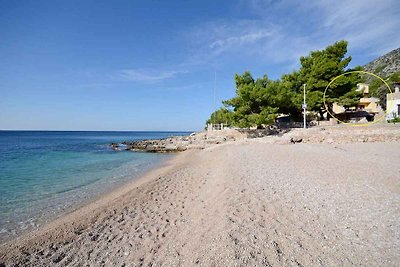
43 174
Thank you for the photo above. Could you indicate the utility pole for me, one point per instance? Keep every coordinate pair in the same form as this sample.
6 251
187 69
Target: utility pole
215 89
304 107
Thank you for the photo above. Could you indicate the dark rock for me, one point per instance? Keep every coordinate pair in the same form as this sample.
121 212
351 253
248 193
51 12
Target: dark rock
114 146
295 140
166 145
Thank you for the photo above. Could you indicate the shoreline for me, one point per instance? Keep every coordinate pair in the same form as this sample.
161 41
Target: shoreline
94 202
92 194
243 203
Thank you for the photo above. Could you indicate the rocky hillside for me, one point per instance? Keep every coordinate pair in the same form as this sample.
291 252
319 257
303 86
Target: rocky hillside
385 65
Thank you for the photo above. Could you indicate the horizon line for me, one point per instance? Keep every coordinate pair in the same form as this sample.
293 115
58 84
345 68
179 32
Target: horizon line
24 130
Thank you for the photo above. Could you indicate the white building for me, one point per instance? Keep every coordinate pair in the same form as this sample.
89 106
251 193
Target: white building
393 110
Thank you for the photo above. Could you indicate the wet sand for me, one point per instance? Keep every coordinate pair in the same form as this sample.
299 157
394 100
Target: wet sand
244 203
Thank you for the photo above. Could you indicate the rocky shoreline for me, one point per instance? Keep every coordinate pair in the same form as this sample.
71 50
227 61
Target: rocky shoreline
151 146
332 135
173 144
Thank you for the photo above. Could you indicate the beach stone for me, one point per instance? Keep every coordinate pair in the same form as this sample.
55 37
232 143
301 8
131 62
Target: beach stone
295 140
330 141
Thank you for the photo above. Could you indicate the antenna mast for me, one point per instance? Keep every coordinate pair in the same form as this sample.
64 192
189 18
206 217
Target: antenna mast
215 89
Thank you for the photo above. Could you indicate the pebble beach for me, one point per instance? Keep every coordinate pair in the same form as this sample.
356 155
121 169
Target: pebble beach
247 202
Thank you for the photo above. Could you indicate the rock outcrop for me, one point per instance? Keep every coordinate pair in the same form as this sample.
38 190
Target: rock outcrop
158 145
385 65
180 143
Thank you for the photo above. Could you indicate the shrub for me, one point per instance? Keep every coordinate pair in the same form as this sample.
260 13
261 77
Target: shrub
395 119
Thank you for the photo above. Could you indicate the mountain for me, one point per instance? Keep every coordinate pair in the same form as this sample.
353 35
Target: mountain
388 68
385 65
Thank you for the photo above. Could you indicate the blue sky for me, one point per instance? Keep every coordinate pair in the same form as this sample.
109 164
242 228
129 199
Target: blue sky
149 65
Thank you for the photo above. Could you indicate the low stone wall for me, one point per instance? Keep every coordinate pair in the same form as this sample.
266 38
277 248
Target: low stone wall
257 133
340 134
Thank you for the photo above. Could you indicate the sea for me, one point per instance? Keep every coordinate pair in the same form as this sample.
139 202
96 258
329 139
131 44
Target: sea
44 174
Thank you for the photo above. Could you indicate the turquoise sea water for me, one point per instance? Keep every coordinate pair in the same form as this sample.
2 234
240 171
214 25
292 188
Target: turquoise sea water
45 173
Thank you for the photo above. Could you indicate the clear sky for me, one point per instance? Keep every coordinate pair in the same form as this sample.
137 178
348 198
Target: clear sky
149 65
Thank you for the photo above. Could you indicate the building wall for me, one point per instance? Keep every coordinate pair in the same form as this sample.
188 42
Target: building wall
394 107
367 104
363 87
337 109
370 105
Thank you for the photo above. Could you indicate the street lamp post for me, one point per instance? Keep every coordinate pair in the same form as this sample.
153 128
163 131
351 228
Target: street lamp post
304 107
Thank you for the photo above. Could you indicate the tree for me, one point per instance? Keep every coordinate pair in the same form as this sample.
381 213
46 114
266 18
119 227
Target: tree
292 83
222 115
350 99
319 68
256 102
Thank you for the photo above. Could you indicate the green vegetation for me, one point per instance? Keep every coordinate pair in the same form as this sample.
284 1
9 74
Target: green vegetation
319 68
259 102
395 119
221 115
379 90
380 68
